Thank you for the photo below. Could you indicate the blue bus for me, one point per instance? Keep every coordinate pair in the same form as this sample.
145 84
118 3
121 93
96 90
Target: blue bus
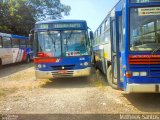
62 48
15 48
127 46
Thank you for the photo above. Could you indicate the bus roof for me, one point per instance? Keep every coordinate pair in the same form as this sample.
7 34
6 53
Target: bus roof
13 36
60 21
20 37
5 34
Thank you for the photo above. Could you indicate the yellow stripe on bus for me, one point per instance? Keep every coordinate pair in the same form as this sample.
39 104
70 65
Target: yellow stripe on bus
105 55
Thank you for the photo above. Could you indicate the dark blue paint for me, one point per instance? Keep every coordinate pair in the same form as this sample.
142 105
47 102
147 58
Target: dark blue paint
68 61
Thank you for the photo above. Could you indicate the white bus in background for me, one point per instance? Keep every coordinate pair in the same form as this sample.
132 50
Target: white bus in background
14 48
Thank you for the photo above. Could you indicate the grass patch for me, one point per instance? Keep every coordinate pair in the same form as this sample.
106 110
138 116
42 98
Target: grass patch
5 91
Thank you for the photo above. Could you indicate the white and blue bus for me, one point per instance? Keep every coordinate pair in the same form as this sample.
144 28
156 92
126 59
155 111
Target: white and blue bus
15 48
127 46
62 48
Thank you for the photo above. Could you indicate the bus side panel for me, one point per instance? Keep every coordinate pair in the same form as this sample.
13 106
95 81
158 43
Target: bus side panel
15 54
102 56
107 56
20 54
107 51
6 55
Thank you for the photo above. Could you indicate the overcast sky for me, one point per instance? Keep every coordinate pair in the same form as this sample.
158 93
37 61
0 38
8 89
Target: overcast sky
93 11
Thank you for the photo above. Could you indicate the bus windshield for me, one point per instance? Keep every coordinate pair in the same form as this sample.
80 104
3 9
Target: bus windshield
74 43
63 43
49 42
144 28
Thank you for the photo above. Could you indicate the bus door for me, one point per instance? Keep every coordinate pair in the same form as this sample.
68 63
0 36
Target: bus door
116 34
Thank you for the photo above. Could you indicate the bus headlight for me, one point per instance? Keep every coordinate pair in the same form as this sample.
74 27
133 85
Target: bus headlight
85 63
39 66
81 64
143 73
44 66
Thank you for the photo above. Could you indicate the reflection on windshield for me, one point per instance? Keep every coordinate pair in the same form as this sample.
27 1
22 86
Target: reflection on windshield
74 43
144 29
63 43
49 43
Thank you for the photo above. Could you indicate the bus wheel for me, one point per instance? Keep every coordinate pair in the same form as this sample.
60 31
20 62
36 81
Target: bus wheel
27 59
110 78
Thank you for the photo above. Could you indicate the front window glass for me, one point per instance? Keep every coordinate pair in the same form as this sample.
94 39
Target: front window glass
29 43
75 43
144 28
50 43
15 43
6 42
22 43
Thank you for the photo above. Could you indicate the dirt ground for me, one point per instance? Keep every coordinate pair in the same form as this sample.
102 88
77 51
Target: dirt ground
20 93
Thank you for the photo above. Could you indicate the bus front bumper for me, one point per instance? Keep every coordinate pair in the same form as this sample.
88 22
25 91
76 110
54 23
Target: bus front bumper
143 88
69 73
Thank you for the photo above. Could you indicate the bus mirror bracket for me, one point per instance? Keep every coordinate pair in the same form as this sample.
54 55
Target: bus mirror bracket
31 34
31 37
91 35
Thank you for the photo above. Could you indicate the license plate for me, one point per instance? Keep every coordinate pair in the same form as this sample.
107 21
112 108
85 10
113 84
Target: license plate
62 71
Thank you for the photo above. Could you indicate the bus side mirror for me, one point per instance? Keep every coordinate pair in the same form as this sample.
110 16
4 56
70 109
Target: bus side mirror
31 37
91 35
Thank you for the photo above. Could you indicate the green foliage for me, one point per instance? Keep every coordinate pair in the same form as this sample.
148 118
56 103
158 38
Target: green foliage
19 16
52 9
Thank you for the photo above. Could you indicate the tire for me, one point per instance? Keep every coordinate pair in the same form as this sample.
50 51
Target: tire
27 59
110 79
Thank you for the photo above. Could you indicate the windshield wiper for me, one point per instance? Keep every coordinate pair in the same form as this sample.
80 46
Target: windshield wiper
156 50
53 41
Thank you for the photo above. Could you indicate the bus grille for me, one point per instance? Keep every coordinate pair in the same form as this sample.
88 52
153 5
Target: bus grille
67 74
150 63
64 67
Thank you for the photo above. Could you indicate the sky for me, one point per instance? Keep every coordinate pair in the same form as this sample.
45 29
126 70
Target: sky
93 11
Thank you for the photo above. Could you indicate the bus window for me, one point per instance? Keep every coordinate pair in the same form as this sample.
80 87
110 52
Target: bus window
103 27
100 30
15 43
107 24
144 34
22 43
0 42
6 42
107 36
28 44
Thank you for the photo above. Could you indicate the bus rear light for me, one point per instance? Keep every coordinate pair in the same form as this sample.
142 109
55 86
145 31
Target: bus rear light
143 73
135 73
139 74
128 74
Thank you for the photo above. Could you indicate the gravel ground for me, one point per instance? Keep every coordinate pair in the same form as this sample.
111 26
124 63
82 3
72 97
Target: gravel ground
90 95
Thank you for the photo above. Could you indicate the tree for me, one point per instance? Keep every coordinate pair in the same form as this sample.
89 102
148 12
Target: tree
52 9
19 16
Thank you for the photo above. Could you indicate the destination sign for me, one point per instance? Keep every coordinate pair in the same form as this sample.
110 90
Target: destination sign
143 1
58 25
149 11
